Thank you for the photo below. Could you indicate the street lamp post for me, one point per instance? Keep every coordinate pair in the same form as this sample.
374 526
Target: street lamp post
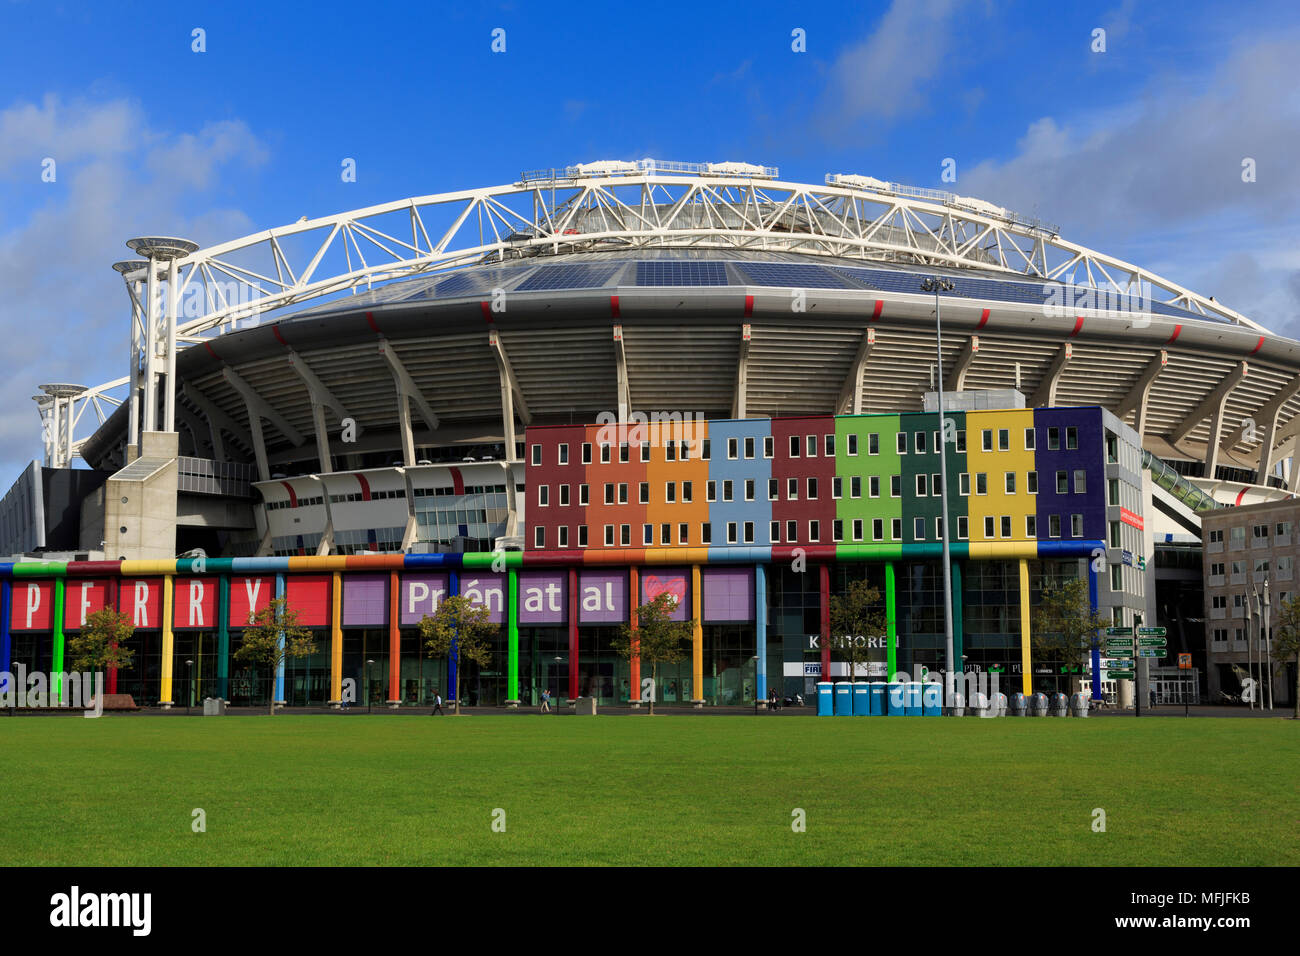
937 284
189 685
1268 643
368 663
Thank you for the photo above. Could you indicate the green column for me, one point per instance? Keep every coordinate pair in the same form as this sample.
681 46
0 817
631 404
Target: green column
512 637
891 619
223 637
957 603
56 625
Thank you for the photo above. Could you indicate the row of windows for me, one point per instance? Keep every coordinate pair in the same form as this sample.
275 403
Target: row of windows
742 532
811 446
1284 563
1258 532
926 486
374 496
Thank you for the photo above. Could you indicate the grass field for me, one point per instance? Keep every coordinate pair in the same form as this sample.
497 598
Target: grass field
386 789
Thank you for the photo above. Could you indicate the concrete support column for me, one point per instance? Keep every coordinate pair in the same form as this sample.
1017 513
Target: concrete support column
760 632
1026 667
697 641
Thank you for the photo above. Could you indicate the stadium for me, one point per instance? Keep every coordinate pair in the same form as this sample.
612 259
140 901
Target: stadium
369 410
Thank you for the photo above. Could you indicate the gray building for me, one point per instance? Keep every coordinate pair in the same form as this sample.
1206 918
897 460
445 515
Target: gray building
1244 548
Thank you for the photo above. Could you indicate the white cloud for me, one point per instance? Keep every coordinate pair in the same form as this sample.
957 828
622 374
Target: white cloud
64 316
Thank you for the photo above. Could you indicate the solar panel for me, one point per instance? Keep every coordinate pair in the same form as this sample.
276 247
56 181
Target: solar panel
667 273
791 275
570 277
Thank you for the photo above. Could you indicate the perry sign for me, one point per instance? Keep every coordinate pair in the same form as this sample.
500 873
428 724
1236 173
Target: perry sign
194 602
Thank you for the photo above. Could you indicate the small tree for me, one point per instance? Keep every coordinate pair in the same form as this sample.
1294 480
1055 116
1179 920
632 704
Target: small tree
1286 640
99 644
1065 626
855 614
459 628
657 640
263 642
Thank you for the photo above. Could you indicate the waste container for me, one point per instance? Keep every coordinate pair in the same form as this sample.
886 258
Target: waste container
979 704
862 699
879 698
1017 704
1060 704
1038 705
895 692
213 707
1078 705
999 702
932 699
958 704
843 699
825 701
912 698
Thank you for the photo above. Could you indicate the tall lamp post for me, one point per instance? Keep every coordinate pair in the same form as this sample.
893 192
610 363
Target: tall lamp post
937 284
189 680
368 663
1268 643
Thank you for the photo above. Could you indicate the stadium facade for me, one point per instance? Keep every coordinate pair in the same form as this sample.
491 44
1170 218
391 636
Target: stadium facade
565 395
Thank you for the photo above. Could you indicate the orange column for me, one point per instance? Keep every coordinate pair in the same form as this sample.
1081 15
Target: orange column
394 645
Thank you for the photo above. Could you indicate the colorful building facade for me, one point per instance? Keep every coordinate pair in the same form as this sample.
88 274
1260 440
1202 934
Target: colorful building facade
751 524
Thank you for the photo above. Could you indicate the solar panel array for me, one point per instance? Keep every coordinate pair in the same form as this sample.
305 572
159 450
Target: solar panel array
670 273
570 277
790 275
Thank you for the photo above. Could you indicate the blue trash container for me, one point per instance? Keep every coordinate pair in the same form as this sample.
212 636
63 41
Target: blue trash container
1018 704
932 699
895 692
825 703
861 700
878 699
912 698
843 699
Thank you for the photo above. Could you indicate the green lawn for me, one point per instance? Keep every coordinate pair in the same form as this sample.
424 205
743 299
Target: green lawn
684 789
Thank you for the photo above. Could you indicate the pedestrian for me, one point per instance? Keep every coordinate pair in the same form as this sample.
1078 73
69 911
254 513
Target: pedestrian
546 702
1153 698
437 703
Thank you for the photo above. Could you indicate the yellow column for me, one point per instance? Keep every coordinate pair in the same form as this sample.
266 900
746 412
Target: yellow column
336 640
165 690
1026 670
697 638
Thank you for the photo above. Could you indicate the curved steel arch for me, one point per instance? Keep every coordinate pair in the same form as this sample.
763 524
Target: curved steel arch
650 206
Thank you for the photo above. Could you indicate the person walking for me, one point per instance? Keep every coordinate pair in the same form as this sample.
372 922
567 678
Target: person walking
437 703
546 702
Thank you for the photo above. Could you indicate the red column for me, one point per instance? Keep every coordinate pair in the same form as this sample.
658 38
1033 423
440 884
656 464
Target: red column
572 632
825 573
633 600
394 643
110 601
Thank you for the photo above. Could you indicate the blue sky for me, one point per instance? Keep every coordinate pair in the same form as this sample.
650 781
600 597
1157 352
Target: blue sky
1135 151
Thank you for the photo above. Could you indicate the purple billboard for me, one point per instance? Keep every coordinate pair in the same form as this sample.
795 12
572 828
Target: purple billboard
602 597
421 594
365 600
674 581
543 597
728 594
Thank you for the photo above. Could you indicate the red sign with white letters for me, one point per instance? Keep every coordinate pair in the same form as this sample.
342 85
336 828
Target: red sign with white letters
82 598
194 603
32 606
248 595
140 599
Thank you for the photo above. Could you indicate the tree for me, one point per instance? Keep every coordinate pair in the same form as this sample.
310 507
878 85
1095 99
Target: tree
855 616
1286 640
263 636
99 645
461 629
1065 627
657 640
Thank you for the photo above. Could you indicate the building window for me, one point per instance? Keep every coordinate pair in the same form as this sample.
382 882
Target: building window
811 442
773 489
767 446
543 495
792 489
604 453
749 532
812 489
853 443
624 452
1080 482
794 446
670 492
1117 577
918 529
1006 526
1004 439
896 529
873 486
609 536
564 495
564 454
706 533
1062 483
857 529
582 535
963 483
647 534
814 531
731 448
625 535
1053 439
705 449
837 530
877 529
643 493
749 447
537 454
963 527
1053 526
731 532
670 452
1031 482
586 453
901 443
609 493
1071 438
564 536
539 537
1011 482
837 487
920 486
1029 439
774 531
988 526
683 533
584 495
622 492
981 483
791 532
828 445
749 489
1076 526
961 440
726 489
895 486
918 442
873 444
711 491
688 492
986 439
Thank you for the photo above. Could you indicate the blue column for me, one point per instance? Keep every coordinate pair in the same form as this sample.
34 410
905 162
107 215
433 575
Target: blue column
1096 645
453 590
279 672
760 629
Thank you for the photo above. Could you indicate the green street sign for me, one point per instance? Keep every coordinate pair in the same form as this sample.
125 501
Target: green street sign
1119 632
1151 652
1121 675
1114 644
1121 663
1152 632
1152 641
